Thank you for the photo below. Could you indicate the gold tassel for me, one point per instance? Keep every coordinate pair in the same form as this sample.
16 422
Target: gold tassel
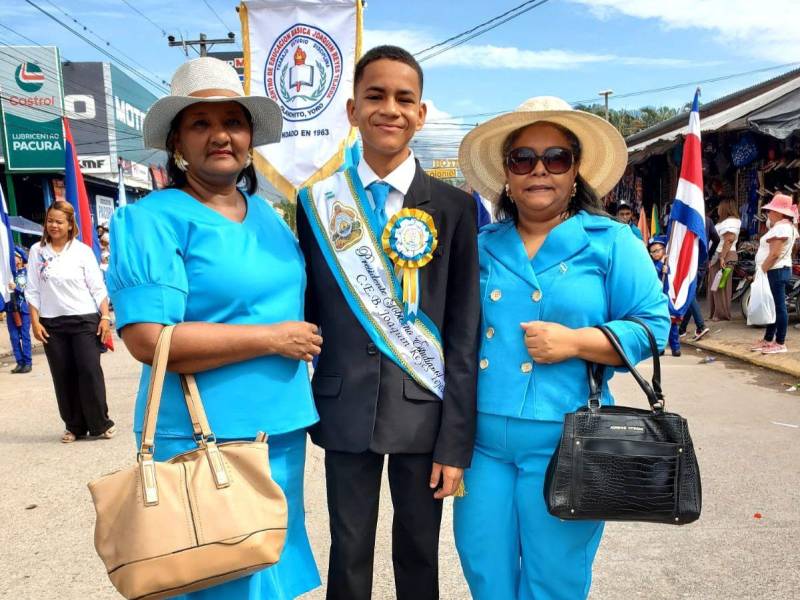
461 490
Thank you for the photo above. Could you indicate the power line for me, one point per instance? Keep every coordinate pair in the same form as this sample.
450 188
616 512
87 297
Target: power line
98 36
216 14
532 4
116 59
468 31
144 16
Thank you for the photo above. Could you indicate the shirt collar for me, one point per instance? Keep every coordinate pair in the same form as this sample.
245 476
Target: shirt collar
400 179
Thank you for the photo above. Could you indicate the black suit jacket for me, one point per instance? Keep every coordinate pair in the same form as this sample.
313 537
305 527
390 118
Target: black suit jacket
365 401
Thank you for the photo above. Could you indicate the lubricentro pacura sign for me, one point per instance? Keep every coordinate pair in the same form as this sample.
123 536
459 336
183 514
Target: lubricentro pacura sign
31 99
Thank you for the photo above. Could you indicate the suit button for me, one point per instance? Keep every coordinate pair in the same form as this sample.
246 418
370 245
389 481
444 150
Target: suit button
372 349
496 295
490 333
526 367
484 363
536 296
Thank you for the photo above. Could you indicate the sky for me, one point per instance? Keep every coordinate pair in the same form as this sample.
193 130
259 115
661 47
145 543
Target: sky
567 48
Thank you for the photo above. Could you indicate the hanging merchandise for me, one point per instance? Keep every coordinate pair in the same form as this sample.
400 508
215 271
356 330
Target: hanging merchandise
744 151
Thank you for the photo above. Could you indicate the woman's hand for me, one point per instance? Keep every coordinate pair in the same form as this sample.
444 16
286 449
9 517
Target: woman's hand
104 330
550 342
39 332
296 339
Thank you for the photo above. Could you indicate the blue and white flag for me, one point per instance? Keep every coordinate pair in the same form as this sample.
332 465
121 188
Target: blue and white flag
122 197
7 266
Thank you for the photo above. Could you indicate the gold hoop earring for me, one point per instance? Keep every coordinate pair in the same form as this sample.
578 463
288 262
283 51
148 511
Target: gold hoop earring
574 190
180 162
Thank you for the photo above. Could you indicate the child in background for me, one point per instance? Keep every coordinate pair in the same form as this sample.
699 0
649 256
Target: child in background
18 316
658 248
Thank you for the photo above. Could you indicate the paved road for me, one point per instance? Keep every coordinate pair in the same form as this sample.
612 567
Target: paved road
749 465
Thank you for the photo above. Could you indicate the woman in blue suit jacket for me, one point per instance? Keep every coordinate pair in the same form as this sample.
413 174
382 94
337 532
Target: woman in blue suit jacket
552 268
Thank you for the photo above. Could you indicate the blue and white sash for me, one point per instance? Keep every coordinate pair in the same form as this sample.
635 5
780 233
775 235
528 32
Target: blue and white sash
344 226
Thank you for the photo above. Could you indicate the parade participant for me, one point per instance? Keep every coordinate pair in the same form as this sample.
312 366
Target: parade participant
18 316
69 314
657 247
728 228
239 321
774 257
552 268
397 375
625 214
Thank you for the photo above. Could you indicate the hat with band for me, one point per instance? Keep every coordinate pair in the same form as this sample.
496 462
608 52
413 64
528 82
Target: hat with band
603 156
207 79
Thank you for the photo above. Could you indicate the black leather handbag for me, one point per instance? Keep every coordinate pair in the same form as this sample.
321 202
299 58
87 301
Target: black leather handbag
616 463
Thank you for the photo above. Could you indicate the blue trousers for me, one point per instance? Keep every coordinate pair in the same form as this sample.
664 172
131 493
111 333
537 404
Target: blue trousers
20 338
296 572
674 337
778 279
510 547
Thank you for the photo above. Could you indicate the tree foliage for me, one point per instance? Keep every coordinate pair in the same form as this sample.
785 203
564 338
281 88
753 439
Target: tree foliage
628 121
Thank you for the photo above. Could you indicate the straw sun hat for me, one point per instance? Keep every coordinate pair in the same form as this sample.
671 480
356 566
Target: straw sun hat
603 159
207 75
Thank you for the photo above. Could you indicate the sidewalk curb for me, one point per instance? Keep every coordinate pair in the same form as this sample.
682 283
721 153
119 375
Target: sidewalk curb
753 358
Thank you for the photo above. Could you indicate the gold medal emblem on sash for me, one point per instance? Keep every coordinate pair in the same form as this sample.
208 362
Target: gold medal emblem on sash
345 227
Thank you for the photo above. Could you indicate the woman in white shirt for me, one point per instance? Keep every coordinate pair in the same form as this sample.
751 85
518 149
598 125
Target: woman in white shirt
774 257
69 315
728 228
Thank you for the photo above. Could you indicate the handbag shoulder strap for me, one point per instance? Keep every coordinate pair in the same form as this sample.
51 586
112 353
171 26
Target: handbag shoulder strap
655 396
202 430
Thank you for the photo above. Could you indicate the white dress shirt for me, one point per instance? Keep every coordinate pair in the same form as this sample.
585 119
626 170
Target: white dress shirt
400 179
64 283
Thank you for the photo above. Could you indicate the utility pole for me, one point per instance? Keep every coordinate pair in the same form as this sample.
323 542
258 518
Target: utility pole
606 94
203 43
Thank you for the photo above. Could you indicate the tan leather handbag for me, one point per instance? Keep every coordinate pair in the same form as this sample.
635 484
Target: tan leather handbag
197 520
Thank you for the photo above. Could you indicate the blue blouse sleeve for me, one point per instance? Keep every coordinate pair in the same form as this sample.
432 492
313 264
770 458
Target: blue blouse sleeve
146 275
633 290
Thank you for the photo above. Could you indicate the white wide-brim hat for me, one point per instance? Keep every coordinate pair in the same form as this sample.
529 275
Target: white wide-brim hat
207 79
603 155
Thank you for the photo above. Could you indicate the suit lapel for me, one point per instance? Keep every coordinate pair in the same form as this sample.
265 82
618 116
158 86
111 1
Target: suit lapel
419 194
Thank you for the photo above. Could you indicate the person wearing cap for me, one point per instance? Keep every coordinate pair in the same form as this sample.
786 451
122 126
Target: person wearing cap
552 267
625 214
18 315
774 257
657 248
239 322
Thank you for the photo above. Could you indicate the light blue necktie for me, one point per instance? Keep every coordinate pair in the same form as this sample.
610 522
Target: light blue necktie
380 193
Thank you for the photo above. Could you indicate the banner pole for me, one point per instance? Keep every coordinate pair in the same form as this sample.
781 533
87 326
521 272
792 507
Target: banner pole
12 196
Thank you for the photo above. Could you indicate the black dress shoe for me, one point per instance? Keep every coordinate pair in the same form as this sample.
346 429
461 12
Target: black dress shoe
676 353
25 369
17 369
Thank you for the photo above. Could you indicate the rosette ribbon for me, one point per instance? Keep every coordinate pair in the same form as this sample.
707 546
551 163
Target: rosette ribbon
409 240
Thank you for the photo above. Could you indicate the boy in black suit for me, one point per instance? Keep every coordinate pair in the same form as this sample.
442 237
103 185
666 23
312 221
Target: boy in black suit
396 377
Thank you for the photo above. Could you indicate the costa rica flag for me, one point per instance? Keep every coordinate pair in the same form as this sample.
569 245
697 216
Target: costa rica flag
687 247
75 192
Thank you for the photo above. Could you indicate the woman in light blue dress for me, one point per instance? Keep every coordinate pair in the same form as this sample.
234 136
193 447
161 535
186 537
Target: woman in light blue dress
218 261
552 268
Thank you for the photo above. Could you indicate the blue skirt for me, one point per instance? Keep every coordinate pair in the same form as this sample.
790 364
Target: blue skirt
296 573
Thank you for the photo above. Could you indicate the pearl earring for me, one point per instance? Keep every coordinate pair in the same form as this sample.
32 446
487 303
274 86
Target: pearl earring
180 162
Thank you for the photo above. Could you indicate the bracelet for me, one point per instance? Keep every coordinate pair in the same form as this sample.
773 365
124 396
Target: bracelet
105 318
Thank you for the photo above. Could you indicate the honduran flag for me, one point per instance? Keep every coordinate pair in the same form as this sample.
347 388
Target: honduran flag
687 227
75 192
7 265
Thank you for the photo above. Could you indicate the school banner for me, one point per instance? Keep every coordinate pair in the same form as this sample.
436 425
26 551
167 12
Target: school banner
302 54
31 98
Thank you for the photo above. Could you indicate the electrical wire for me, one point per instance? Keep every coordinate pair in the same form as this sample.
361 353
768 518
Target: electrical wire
216 14
464 40
144 16
114 58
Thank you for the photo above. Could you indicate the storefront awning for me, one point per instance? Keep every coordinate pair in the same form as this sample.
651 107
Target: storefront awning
780 118
23 225
733 118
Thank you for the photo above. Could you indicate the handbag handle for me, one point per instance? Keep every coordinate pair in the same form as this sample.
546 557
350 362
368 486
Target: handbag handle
202 430
652 390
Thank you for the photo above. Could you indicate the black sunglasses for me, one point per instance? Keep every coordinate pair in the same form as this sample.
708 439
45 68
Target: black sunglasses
556 160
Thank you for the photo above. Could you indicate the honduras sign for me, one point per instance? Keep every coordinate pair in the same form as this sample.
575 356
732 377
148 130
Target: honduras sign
31 99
